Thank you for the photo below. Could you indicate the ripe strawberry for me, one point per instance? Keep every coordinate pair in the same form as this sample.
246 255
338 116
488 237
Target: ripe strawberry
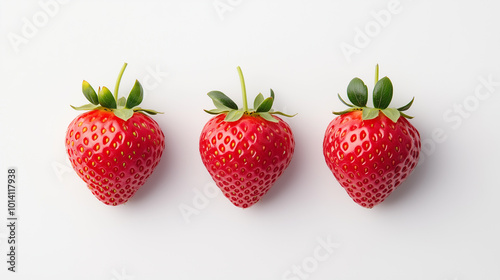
371 153
114 147
245 151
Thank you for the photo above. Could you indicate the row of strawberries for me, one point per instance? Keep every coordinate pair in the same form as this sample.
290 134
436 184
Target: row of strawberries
115 146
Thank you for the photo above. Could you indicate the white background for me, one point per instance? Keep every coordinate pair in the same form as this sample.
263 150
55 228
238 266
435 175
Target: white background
442 223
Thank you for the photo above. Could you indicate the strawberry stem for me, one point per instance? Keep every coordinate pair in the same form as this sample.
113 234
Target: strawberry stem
243 90
376 74
117 85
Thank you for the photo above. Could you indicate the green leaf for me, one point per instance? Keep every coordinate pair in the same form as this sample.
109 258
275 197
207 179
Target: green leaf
149 111
85 107
219 105
136 95
106 99
392 114
345 103
407 106
89 93
357 92
346 111
405 115
216 111
258 99
222 101
370 113
272 94
282 114
124 113
122 101
268 117
234 115
266 105
382 93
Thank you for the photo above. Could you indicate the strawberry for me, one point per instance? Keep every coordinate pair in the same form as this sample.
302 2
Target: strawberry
114 147
371 151
245 150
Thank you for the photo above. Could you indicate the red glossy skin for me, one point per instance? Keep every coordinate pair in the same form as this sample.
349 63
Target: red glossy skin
114 157
247 156
370 158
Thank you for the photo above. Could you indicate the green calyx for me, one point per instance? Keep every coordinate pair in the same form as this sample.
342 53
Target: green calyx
357 92
261 106
123 108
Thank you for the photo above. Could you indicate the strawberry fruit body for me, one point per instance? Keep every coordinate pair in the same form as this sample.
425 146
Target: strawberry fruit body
114 147
245 151
371 151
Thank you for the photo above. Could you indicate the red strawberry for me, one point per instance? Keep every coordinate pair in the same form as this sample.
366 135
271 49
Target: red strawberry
115 147
371 151
245 151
